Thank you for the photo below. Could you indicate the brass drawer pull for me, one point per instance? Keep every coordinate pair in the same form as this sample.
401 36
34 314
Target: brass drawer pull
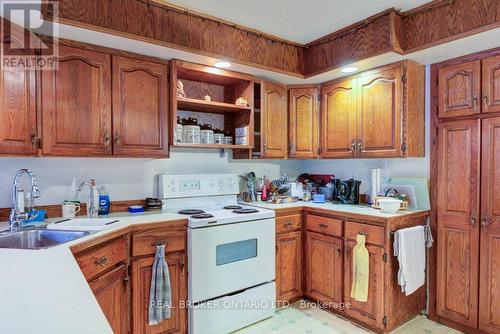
287 225
323 226
101 261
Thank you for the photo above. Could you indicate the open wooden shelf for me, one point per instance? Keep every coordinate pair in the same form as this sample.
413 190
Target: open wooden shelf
211 146
184 103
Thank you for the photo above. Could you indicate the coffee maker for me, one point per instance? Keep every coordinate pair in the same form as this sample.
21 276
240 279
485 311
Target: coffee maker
346 191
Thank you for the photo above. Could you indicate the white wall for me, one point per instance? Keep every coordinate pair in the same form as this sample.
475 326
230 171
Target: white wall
132 178
129 178
360 169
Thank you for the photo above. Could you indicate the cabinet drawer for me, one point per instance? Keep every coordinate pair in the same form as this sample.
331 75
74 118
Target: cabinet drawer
324 225
144 243
374 234
288 223
98 260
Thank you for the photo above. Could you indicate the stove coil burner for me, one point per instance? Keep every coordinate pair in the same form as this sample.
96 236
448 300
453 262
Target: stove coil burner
246 211
191 212
233 207
202 215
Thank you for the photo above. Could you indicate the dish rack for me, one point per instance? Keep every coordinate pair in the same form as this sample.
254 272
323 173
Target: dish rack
404 204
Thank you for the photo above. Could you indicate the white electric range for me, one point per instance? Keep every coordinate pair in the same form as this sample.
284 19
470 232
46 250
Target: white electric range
231 252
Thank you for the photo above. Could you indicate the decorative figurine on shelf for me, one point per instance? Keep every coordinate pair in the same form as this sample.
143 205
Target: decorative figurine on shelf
241 101
208 98
180 89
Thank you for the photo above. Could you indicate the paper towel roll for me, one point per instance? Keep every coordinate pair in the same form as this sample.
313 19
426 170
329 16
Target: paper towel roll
375 172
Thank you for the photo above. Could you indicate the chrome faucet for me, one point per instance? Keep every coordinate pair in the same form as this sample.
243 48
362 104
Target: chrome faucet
16 214
92 210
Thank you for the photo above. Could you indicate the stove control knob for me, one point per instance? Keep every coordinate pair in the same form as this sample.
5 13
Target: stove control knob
221 185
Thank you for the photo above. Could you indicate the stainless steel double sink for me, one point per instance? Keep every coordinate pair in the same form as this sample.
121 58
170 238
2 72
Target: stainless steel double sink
38 238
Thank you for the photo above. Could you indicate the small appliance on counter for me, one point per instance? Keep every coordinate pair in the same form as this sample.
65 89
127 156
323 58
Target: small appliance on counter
348 191
153 204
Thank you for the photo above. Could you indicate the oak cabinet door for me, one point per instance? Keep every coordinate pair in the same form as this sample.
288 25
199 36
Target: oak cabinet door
304 122
76 104
139 108
324 268
489 286
110 290
458 221
380 108
274 121
491 84
338 120
288 266
18 108
141 282
370 312
459 89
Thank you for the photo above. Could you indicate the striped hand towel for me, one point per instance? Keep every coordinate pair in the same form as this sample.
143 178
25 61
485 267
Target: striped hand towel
160 293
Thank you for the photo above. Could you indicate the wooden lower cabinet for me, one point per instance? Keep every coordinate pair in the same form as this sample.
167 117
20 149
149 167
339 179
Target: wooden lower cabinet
111 292
288 267
141 282
324 268
371 312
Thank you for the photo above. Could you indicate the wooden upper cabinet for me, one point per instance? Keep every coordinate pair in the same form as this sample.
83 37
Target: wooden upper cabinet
380 109
288 266
141 282
459 89
76 104
18 129
304 122
489 291
370 312
140 108
274 122
110 290
338 120
491 84
324 267
458 221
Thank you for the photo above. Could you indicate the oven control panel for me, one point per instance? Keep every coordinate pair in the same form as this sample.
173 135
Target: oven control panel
195 185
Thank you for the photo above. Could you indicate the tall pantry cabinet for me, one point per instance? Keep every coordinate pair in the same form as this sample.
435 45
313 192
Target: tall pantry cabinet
466 174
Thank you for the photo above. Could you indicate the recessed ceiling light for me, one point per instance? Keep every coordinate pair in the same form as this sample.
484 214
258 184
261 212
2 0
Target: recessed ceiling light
348 69
222 64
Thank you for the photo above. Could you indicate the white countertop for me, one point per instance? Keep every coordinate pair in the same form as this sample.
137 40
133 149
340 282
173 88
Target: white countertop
44 291
347 208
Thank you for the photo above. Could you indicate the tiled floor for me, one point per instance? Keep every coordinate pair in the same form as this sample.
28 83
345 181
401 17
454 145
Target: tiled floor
300 320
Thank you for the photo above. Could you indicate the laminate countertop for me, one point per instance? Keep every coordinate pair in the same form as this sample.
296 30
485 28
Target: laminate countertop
44 291
343 209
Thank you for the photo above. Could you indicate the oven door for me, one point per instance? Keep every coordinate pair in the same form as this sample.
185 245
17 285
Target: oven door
227 258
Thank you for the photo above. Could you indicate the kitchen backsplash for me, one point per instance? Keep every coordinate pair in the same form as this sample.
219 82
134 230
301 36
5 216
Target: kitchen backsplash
126 179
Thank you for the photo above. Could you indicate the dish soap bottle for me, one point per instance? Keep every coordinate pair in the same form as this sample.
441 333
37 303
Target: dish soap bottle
103 201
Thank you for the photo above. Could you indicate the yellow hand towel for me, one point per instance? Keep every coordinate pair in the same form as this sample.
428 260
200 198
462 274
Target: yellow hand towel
360 270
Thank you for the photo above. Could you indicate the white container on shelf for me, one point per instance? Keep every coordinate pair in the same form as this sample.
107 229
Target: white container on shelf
178 133
241 132
219 138
207 137
228 140
191 134
241 140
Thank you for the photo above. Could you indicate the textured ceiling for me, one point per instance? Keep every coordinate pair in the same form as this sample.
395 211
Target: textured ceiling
301 21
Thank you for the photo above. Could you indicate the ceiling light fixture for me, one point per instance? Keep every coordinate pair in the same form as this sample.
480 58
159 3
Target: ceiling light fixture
222 64
348 69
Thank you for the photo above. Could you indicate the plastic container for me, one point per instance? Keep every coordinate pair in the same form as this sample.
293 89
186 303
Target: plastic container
103 201
389 205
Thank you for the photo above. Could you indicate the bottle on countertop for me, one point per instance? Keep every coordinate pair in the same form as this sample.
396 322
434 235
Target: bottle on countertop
103 201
